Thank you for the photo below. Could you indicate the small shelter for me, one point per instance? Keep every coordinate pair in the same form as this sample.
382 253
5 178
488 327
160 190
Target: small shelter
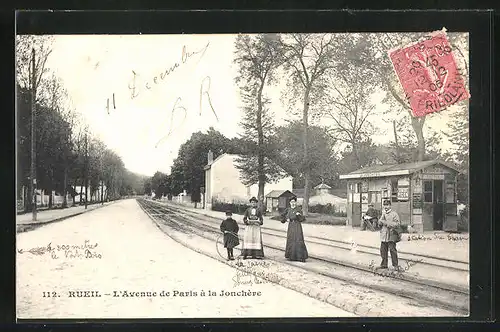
278 200
322 188
422 193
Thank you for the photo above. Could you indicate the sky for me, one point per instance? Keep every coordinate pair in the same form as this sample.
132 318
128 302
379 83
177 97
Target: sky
161 84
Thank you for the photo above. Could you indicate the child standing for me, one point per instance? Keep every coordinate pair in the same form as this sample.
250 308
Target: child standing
230 229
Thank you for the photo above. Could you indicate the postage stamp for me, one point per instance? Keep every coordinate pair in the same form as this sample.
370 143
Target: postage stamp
429 74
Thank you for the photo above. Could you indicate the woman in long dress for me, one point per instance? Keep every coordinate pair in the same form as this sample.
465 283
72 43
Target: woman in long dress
295 246
252 238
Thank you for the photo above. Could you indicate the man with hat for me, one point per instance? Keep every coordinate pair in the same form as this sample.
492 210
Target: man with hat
390 222
370 218
252 238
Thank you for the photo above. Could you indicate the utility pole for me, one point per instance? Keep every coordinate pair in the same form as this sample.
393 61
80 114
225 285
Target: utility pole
33 141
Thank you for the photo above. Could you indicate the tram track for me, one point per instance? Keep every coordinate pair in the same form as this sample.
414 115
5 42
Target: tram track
443 265
452 264
426 294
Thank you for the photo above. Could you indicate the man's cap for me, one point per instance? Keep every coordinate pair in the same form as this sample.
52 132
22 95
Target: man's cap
229 213
253 199
387 202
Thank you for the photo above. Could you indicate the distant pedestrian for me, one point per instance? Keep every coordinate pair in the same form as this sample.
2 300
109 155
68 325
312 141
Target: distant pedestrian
295 249
252 239
230 228
389 235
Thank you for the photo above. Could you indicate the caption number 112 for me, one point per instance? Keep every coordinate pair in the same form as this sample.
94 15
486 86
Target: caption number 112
50 294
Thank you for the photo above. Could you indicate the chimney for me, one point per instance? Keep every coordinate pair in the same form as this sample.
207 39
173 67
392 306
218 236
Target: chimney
210 157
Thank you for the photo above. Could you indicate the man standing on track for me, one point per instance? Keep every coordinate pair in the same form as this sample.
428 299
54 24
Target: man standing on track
390 222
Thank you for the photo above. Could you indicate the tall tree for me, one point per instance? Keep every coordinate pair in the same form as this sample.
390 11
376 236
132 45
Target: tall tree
458 154
257 58
188 173
32 53
349 101
43 48
308 58
366 155
323 165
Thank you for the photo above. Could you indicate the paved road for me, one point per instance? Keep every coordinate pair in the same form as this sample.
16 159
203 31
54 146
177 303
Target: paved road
117 250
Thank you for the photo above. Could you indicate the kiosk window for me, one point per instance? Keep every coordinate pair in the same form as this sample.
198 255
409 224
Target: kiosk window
450 192
394 190
428 191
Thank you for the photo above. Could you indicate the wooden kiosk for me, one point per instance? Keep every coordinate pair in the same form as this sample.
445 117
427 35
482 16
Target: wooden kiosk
278 200
422 193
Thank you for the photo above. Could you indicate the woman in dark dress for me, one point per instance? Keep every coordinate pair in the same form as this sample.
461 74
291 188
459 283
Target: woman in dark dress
295 246
230 228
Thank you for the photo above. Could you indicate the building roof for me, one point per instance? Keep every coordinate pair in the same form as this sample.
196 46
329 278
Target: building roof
279 193
208 166
322 186
394 169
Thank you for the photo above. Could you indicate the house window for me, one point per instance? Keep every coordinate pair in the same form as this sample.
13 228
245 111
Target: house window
394 190
428 191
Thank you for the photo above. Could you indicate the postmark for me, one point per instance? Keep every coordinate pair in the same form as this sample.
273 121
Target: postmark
429 75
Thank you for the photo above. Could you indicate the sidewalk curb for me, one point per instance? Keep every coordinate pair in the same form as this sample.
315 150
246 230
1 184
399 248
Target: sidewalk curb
297 287
22 228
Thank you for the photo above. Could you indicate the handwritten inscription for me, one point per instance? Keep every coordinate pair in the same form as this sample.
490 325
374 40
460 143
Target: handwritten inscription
437 236
172 127
83 251
137 84
250 274
394 273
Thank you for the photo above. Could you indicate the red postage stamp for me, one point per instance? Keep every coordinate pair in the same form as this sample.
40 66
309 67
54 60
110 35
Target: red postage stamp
429 74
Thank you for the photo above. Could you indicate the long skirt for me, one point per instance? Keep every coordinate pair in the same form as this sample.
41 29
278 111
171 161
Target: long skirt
252 242
295 246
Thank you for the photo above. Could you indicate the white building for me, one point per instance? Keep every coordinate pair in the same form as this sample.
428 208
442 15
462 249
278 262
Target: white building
223 182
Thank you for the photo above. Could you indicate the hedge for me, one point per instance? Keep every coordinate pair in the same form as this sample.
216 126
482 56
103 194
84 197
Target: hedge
236 208
329 209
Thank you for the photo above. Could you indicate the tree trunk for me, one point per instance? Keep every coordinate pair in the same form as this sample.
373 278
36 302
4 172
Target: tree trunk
26 199
50 197
418 127
81 191
305 168
260 132
398 155
65 186
74 190
86 169
50 188
102 192
86 191
355 154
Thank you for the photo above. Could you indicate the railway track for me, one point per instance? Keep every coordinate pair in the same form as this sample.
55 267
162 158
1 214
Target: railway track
452 264
429 294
